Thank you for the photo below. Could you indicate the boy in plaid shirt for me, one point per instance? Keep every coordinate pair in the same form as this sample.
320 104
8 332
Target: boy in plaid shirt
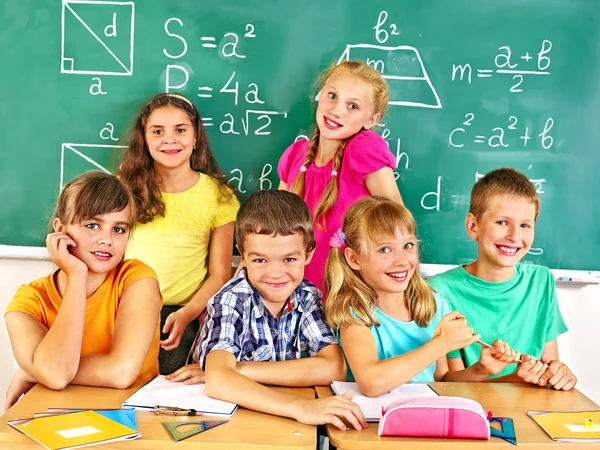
266 325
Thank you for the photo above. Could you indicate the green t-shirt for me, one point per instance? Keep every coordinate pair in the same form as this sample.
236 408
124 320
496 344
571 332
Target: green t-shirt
522 311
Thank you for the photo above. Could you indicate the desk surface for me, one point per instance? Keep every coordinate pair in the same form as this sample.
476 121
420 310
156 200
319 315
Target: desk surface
503 399
246 429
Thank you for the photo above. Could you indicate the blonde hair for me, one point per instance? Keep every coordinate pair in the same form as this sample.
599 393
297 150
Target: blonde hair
503 181
368 221
272 212
92 194
379 99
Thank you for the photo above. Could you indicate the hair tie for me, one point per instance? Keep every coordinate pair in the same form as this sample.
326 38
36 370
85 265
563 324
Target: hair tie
334 173
302 168
338 240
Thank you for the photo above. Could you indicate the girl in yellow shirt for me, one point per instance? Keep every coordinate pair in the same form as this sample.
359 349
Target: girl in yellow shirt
185 216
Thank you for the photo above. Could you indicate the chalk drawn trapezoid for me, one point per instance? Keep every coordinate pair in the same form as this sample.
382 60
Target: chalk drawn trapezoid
422 77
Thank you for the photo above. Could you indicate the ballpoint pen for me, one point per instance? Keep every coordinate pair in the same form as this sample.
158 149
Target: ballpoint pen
174 411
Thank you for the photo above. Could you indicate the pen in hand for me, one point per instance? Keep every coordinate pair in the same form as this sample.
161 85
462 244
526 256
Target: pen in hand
483 344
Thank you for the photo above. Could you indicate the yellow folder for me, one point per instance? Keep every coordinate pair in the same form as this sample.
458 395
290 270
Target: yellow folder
74 430
579 426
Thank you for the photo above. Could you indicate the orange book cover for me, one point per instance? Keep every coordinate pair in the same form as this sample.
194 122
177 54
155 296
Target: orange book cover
74 430
576 426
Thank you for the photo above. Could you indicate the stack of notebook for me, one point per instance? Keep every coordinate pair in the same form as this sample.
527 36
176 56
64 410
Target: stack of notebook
63 429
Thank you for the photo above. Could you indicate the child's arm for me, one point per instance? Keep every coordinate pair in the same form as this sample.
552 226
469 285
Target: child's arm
320 370
219 272
283 186
328 365
135 329
492 360
52 356
225 383
382 182
375 377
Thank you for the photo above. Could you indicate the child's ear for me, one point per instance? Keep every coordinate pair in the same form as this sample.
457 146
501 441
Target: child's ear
351 258
471 226
372 121
309 257
58 225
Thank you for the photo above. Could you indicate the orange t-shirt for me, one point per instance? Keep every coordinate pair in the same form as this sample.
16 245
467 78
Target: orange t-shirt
41 300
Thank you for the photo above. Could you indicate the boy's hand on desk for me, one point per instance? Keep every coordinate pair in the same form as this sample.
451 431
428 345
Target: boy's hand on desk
531 369
558 375
20 384
496 358
337 410
189 374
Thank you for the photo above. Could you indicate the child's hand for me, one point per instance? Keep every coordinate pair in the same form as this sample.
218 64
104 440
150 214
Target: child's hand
531 370
333 410
189 374
496 358
557 374
454 331
20 384
175 323
58 244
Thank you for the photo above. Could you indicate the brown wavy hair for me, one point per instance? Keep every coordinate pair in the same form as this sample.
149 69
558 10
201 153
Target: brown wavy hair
369 221
137 166
380 100
92 194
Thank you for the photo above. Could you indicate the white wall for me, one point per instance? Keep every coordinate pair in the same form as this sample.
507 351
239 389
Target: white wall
580 305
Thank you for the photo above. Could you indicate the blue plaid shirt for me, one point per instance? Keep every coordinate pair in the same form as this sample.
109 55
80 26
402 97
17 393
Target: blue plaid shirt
238 322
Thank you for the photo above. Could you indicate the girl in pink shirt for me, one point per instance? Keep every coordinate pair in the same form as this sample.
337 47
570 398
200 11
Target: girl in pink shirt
344 161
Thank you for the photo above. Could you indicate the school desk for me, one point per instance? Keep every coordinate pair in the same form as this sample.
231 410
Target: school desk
503 399
246 429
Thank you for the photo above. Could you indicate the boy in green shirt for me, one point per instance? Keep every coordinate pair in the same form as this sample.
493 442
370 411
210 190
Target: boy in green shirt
501 297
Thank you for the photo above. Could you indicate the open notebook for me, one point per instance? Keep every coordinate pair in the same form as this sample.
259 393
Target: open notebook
371 407
163 392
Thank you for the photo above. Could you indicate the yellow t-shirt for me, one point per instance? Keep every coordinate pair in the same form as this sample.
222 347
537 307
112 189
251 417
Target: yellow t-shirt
176 245
41 300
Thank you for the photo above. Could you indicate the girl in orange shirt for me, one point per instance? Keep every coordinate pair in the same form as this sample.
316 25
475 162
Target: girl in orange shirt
94 321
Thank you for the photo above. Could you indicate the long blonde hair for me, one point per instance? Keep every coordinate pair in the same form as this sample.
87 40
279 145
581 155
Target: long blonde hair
380 100
350 300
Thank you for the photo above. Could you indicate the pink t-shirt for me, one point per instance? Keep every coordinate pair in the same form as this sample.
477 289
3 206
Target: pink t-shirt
367 152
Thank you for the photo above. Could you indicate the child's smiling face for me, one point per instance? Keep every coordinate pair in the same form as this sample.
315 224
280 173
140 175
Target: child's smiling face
504 231
345 107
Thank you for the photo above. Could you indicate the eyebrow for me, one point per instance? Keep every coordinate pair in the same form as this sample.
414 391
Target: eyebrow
287 255
98 219
178 125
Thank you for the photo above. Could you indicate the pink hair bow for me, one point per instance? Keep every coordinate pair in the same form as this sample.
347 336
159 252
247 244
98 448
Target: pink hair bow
338 240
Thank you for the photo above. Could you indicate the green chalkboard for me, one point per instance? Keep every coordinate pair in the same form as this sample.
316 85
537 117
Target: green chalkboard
475 85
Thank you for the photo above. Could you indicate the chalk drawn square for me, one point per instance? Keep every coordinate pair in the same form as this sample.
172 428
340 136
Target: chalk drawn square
404 71
92 47
78 158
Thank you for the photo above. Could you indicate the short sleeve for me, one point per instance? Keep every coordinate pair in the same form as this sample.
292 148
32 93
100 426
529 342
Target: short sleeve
368 152
291 160
27 300
315 330
133 270
226 212
556 324
221 328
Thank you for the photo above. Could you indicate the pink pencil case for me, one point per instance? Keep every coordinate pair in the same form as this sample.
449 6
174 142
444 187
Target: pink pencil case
449 417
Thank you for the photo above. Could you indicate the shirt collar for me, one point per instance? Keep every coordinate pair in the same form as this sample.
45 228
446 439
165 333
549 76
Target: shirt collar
258 306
